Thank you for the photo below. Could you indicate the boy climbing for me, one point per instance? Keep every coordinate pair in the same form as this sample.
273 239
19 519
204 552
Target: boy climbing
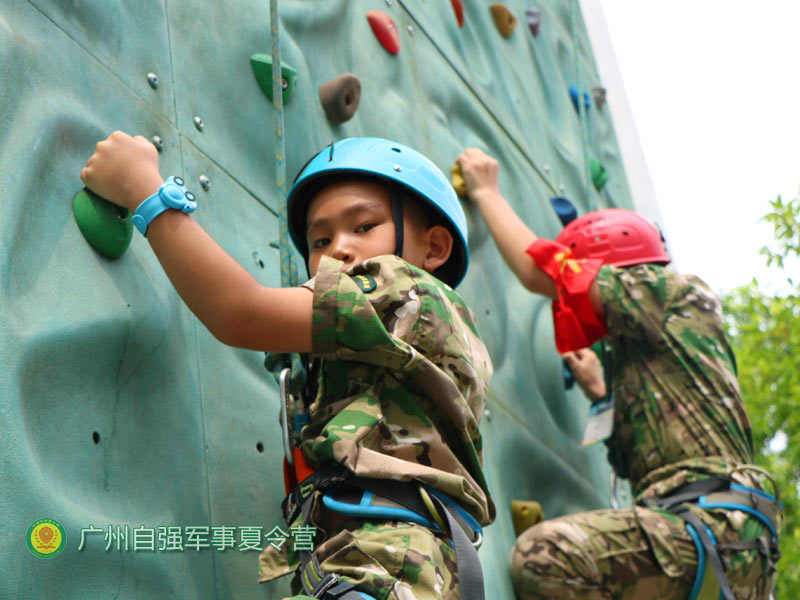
399 372
704 525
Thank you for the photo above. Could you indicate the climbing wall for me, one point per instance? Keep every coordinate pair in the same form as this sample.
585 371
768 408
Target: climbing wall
118 410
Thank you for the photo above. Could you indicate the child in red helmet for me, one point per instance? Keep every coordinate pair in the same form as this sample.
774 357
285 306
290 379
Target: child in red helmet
703 520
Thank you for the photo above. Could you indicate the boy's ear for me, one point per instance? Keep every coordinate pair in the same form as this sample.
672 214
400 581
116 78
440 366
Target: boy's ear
440 245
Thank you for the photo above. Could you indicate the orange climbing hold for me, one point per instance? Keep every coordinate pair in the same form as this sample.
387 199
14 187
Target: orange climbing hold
458 8
385 30
503 18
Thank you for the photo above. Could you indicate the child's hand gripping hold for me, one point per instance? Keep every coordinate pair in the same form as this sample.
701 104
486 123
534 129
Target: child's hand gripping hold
123 170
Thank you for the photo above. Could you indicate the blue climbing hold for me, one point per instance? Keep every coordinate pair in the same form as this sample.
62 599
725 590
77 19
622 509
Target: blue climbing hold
569 376
573 93
565 209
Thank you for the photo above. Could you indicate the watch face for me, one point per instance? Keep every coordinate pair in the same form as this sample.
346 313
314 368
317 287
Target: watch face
173 196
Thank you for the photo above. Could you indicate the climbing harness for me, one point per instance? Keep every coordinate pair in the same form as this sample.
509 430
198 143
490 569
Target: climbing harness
344 493
718 492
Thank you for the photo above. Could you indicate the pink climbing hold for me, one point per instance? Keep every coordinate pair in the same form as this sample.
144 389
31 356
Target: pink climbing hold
385 30
534 17
458 8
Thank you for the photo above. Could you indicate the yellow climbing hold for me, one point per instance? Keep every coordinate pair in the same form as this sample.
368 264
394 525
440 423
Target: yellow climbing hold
457 180
503 18
525 514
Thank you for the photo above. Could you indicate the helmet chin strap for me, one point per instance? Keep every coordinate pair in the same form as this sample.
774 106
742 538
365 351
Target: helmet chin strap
397 215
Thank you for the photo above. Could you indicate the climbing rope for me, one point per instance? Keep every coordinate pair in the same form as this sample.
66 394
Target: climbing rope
289 275
274 362
587 173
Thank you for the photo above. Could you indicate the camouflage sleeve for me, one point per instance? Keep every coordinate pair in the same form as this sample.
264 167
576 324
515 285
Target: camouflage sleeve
364 314
635 300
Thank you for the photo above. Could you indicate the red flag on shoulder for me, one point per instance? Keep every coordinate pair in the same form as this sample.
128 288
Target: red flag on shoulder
575 322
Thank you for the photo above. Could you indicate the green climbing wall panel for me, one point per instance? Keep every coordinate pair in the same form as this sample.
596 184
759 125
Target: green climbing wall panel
116 406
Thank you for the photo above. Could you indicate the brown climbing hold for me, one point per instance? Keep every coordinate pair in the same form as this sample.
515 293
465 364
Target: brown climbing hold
385 30
525 514
599 95
339 97
458 8
503 18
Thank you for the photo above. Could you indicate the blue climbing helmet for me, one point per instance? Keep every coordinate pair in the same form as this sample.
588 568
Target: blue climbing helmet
403 169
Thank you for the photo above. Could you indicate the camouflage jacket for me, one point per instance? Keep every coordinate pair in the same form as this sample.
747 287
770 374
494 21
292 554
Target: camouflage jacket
678 415
402 380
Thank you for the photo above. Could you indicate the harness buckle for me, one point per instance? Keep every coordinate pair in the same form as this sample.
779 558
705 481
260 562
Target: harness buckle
331 587
326 583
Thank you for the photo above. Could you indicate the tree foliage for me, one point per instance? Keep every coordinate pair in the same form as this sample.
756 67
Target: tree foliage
765 332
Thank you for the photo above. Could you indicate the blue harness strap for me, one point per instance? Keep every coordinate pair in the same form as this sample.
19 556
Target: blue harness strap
365 507
721 493
706 586
708 548
369 498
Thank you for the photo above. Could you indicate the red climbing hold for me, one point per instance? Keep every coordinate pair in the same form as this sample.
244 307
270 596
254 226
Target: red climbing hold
385 30
458 8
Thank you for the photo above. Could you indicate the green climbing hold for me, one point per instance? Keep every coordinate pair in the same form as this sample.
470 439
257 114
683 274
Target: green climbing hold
107 227
599 174
262 69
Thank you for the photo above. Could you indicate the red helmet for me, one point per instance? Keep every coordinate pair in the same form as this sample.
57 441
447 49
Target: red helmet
619 236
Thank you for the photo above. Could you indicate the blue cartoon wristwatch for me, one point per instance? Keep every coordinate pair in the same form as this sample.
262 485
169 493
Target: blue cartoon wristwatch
171 194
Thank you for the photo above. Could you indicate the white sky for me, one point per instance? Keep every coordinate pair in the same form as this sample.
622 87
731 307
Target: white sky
715 94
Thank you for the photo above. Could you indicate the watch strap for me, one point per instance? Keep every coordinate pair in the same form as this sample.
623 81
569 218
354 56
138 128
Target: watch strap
172 194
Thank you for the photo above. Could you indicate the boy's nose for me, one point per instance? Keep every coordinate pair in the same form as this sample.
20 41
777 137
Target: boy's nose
341 250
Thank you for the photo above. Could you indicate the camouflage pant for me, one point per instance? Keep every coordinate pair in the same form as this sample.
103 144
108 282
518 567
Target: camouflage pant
626 554
391 560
